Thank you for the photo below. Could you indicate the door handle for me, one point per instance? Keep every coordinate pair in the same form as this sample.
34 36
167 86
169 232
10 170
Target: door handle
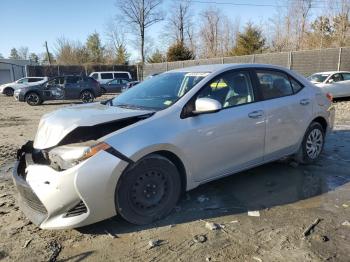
304 102
256 114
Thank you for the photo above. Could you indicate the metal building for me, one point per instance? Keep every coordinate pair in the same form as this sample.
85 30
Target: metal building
11 70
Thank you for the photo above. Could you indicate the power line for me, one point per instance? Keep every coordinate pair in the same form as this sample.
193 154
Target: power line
248 4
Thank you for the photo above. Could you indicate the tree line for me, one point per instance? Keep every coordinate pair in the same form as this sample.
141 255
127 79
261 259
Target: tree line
187 35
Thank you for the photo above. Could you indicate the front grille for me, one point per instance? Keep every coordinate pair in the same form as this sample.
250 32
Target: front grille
29 198
77 210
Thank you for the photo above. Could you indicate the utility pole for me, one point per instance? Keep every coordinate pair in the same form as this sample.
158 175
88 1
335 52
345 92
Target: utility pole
47 53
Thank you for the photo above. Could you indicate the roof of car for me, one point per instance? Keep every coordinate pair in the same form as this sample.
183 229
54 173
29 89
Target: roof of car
332 72
36 77
216 67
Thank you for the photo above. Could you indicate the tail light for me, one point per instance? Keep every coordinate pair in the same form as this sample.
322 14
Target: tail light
329 97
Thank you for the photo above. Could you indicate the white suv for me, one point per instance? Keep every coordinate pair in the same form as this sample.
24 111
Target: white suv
9 88
104 77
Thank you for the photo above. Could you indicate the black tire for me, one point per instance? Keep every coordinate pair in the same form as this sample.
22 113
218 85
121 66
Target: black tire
148 191
87 96
8 91
33 99
311 151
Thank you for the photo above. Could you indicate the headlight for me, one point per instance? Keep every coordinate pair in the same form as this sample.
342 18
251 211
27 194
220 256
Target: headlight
64 157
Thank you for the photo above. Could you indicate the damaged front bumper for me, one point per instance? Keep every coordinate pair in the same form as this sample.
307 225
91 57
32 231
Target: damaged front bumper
78 196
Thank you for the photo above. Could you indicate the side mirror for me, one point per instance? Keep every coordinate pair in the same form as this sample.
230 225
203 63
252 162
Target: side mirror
330 81
207 105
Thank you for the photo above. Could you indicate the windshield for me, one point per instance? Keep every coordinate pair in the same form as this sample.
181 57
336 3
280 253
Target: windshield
159 92
318 78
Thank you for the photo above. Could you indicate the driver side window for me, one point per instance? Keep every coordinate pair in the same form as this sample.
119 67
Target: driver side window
230 89
55 81
22 81
337 78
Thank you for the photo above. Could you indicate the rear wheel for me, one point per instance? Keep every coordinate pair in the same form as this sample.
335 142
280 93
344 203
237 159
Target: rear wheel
148 191
8 91
33 99
87 96
313 143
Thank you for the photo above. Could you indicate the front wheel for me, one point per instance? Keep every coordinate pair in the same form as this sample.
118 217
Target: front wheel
148 191
87 96
313 143
33 99
8 91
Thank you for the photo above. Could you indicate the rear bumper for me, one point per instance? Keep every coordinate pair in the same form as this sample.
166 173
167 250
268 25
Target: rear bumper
81 195
331 118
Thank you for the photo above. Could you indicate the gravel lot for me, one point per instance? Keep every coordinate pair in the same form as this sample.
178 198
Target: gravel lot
288 198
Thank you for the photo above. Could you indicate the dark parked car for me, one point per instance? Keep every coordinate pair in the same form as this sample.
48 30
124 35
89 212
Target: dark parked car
115 85
60 88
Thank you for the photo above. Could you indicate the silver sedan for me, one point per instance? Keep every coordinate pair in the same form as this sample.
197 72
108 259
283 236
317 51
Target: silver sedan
337 83
135 154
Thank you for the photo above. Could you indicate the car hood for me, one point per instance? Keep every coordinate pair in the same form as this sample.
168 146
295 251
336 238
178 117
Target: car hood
55 126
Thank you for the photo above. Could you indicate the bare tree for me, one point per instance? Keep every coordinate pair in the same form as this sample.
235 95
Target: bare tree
179 22
141 14
209 32
280 33
23 52
229 33
116 42
70 52
298 13
341 22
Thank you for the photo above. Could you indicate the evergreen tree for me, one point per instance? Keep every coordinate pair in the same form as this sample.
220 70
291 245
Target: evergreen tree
34 58
249 42
179 52
95 48
122 55
156 57
14 54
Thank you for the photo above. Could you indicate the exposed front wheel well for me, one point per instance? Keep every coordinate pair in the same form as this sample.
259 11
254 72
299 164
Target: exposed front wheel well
178 163
322 122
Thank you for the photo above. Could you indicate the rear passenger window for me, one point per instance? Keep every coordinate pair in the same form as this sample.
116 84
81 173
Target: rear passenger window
274 84
346 76
106 76
73 79
32 80
121 75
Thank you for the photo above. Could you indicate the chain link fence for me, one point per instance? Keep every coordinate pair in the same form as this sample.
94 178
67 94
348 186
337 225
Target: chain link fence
303 62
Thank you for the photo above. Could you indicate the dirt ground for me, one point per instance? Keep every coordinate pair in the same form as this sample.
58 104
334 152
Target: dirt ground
288 198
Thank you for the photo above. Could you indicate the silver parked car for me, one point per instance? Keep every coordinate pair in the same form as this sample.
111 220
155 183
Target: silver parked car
336 83
135 154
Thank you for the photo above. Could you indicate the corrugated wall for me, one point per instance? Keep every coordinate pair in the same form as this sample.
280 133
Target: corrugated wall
304 62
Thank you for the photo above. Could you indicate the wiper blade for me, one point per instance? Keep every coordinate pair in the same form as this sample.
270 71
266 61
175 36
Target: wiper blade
127 106
107 102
